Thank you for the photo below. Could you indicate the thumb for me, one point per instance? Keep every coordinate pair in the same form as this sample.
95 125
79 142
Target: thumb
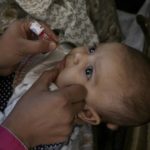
46 79
38 46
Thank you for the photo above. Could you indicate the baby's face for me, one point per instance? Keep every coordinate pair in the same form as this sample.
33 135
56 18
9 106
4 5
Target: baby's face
81 66
94 68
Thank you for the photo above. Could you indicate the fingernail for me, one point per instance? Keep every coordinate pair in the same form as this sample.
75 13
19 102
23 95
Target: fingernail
52 46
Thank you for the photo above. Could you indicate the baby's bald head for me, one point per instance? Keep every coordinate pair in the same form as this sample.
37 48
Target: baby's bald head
126 100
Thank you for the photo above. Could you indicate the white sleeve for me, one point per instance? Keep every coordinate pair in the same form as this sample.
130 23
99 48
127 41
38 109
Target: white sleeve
18 93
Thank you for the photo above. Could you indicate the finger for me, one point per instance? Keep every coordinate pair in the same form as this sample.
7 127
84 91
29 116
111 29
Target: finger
35 47
75 93
77 107
47 29
46 79
49 32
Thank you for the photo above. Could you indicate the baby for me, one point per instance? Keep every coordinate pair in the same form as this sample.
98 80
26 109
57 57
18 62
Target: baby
117 78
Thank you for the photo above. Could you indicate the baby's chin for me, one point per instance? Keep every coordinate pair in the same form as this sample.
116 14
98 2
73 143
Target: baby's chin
59 82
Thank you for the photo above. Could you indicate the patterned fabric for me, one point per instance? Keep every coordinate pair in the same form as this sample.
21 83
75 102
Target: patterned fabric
9 12
67 15
104 17
48 147
36 8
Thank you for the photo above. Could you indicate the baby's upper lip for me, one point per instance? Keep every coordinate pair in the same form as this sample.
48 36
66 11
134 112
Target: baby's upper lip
61 64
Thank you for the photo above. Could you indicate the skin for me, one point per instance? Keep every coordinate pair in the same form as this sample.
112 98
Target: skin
40 116
74 72
102 83
43 117
18 36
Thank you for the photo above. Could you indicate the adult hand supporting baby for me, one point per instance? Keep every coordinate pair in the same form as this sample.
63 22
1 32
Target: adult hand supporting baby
43 117
17 42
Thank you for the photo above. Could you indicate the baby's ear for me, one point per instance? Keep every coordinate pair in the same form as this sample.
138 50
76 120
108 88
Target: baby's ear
89 115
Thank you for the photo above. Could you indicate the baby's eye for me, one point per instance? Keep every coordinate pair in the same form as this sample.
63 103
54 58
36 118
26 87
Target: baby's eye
92 49
89 72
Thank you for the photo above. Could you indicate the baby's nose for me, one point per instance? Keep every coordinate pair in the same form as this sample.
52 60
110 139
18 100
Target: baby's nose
77 58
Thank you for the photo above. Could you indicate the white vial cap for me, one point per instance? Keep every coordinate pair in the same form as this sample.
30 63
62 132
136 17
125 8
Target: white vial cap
36 28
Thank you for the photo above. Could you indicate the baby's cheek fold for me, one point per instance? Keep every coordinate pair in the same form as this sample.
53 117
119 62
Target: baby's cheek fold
63 79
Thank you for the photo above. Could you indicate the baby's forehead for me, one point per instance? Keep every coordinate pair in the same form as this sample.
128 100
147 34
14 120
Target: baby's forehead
110 61
111 47
112 53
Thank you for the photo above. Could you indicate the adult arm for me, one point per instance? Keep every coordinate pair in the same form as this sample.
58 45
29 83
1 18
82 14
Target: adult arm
44 117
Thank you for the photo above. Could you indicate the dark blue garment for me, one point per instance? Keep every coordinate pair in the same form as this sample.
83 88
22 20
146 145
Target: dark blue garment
6 90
